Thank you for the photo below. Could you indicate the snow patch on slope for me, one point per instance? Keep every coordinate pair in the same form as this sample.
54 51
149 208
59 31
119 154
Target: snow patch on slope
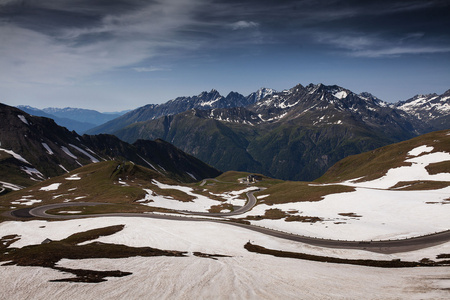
32 172
62 167
23 119
73 177
419 150
417 171
93 159
15 155
67 151
49 151
51 187
341 94
199 203
11 186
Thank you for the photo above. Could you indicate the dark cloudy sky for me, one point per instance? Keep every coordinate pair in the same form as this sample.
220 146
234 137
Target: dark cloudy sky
117 54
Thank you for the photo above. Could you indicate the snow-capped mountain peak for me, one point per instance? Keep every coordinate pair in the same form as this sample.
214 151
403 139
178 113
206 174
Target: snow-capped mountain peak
430 106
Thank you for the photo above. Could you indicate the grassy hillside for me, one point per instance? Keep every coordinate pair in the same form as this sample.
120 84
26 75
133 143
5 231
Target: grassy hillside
110 182
374 164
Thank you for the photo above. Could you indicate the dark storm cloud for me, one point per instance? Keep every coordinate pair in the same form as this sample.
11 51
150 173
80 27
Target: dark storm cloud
66 39
209 20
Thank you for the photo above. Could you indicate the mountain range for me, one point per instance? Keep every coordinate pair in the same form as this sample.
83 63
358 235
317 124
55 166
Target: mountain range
204 101
35 148
295 134
77 119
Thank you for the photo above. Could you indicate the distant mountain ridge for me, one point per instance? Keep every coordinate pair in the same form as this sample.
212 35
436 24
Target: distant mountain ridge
36 148
417 114
432 109
203 101
77 119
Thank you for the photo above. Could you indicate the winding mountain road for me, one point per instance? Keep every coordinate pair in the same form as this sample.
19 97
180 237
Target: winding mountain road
385 246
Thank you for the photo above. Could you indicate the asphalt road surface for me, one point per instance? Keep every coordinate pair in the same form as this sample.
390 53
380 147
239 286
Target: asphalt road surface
385 246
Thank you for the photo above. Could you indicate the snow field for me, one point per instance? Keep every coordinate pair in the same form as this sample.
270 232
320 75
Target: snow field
380 213
245 275
190 236
385 214
414 172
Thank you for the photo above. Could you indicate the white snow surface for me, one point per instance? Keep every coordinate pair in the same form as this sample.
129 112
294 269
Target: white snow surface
209 103
62 167
384 214
67 151
381 213
263 196
236 198
23 119
26 201
11 186
421 149
414 172
245 275
93 159
191 175
199 204
15 155
340 95
49 151
32 172
51 187
73 177
148 163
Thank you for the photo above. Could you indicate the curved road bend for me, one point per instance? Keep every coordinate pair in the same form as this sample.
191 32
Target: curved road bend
386 246
40 211
243 209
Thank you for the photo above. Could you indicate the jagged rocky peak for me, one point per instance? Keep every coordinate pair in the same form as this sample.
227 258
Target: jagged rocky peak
264 92
372 99
320 88
259 95
209 95
425 96
368 96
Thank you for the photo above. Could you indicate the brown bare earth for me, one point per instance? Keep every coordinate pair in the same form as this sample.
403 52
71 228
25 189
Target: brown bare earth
48 254
420 185
396 263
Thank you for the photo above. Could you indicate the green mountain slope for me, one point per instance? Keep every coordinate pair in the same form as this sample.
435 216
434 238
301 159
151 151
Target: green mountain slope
374 164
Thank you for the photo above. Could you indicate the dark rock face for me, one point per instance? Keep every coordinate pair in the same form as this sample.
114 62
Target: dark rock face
36 148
